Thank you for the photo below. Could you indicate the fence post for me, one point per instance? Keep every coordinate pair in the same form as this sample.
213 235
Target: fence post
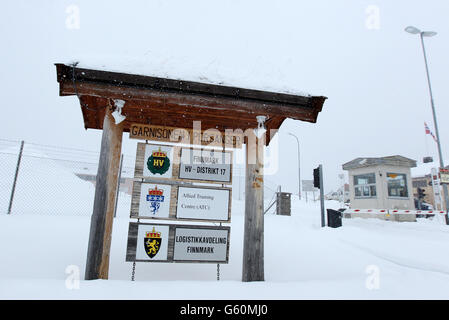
15 177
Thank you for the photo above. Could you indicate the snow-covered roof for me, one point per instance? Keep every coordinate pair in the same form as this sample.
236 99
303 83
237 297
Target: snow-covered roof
370 161
178 68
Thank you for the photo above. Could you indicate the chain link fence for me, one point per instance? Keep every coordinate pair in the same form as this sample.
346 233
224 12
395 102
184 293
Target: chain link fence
54 180
40 179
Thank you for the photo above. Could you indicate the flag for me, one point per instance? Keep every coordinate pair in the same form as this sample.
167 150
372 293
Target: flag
426 127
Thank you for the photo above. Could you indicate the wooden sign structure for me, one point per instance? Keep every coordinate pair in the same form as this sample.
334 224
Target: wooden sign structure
210 137
159 194
151 242
178 104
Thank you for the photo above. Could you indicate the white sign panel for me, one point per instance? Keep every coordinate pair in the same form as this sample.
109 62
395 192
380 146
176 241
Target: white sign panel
203 164
152 242
436 187
154 200
203 204
200 244
158 161
307 185
444 176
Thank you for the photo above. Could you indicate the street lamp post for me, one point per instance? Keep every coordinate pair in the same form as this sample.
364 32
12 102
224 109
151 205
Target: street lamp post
299 167
423 34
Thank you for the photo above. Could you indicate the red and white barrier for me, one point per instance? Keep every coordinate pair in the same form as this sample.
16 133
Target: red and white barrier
393 211
372 211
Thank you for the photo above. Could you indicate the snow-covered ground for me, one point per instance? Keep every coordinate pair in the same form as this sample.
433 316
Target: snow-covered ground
365 259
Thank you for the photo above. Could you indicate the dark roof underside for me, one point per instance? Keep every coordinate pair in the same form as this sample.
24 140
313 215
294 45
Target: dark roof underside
178 103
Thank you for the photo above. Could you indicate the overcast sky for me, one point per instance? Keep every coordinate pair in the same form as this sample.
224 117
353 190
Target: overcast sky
354 52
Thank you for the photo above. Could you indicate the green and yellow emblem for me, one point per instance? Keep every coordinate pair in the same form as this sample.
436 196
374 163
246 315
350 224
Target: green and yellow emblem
158 162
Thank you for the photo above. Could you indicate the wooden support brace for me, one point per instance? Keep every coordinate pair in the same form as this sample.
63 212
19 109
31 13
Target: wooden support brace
97 264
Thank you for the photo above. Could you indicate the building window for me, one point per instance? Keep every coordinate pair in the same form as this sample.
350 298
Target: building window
397 185
365 185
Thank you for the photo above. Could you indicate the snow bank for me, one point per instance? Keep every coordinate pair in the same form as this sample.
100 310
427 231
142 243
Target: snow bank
302 261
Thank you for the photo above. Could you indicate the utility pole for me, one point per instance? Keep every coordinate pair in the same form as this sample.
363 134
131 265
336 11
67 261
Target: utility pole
422 34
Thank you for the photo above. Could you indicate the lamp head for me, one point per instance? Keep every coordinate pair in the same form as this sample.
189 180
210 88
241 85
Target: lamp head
260 131
117 114
429 33
412 30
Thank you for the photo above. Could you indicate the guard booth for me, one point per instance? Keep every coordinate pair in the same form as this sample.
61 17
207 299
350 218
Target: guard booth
283 203
148 107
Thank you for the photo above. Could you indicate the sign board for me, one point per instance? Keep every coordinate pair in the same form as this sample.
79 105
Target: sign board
436 188
203 203
206 165
163 162
149 242
444 176
307 185
151 200
158 161
194 244
210 137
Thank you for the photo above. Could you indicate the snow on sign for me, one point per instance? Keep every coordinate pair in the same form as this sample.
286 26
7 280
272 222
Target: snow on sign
204 164
177 243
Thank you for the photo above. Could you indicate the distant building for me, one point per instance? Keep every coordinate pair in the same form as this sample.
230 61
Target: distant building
380 183
422 178
425 182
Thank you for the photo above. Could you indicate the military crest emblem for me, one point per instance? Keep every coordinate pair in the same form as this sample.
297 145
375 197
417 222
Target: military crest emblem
152 243
158 162
155 197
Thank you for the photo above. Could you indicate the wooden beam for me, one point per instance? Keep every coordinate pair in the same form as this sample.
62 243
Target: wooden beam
253 243
74 74
305 113
97 264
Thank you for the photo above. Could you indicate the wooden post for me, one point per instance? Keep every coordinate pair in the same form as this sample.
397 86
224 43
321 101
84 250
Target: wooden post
97 264
253 244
